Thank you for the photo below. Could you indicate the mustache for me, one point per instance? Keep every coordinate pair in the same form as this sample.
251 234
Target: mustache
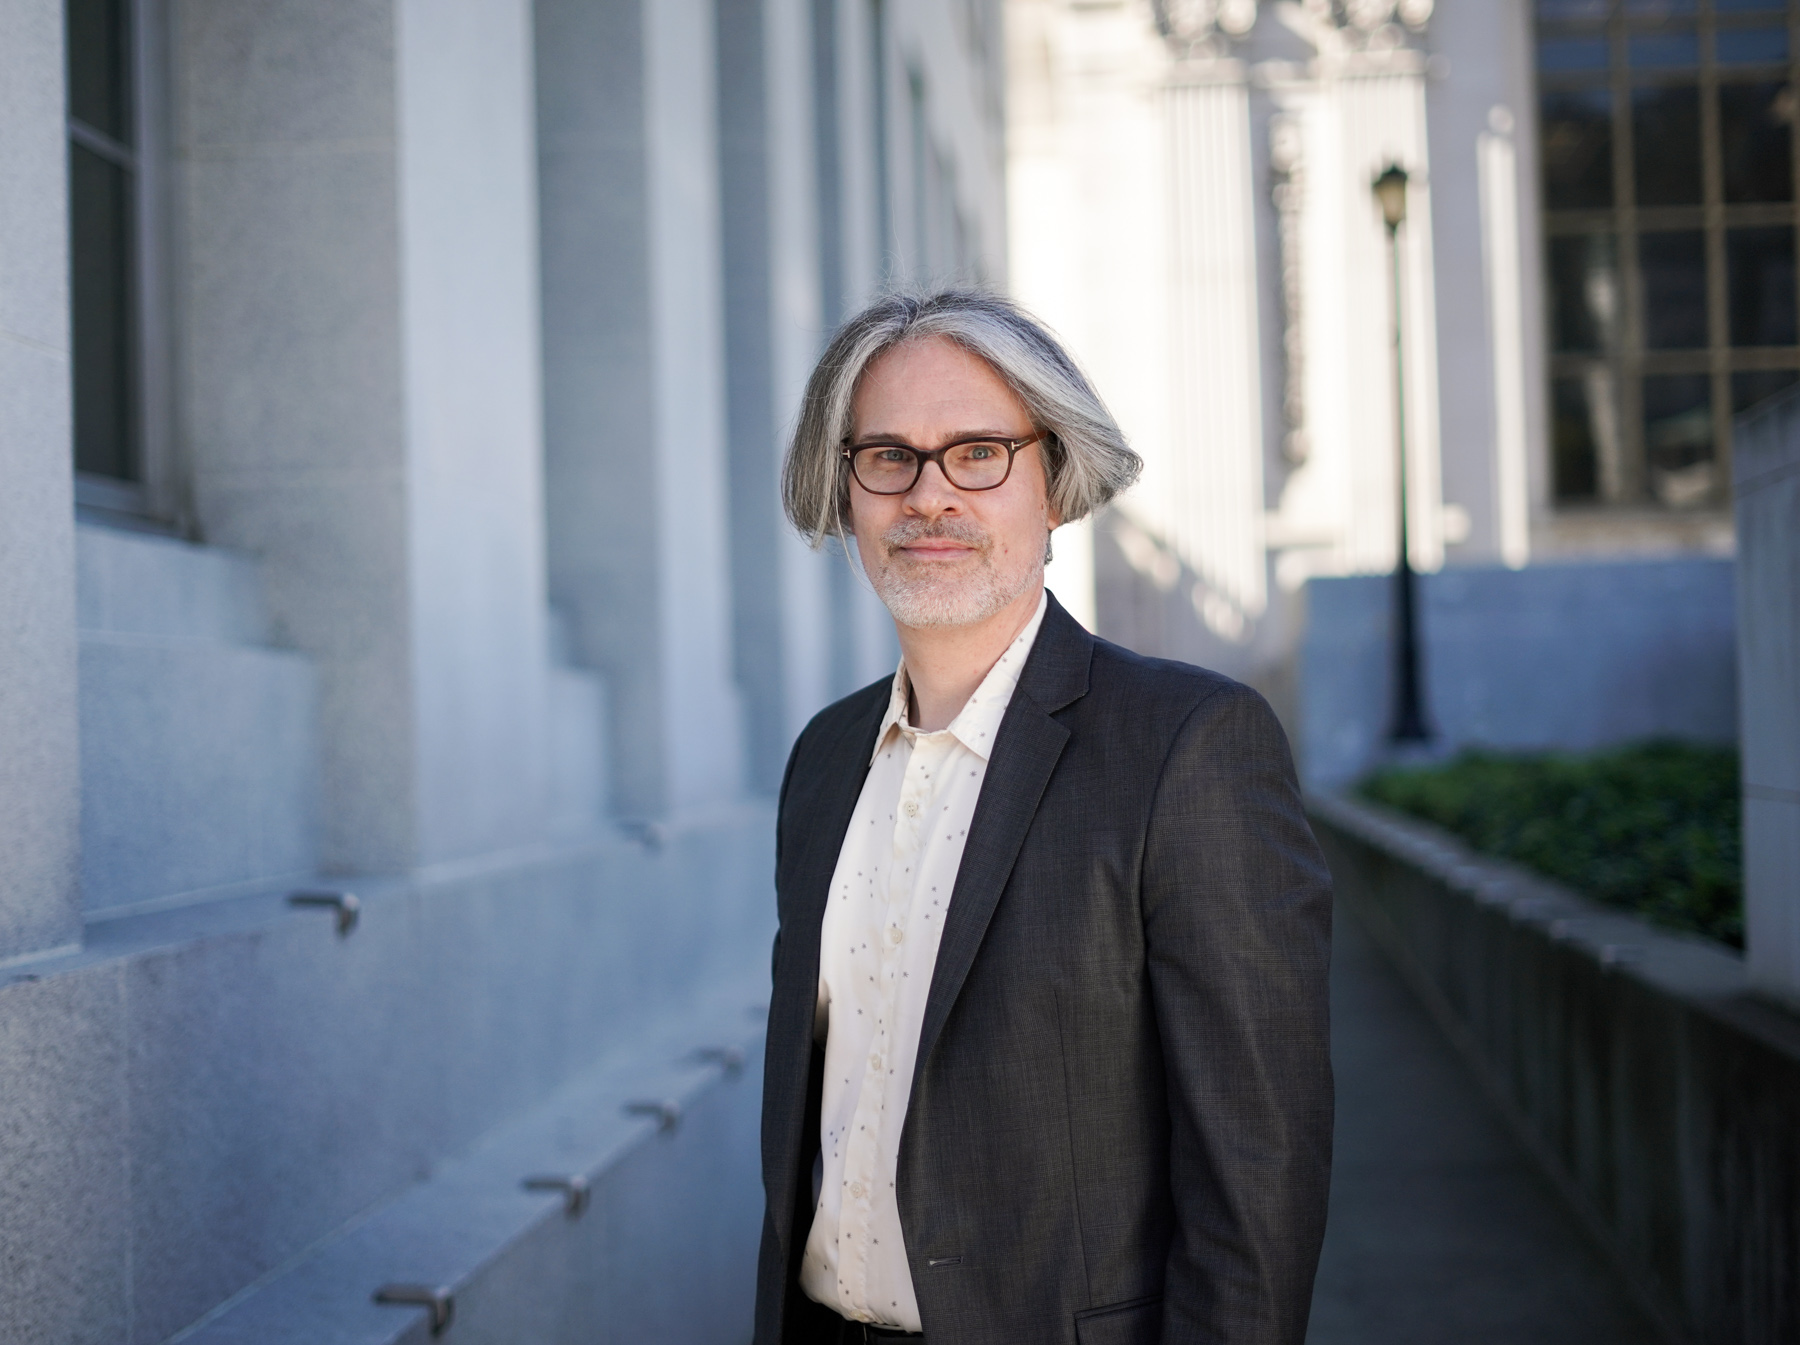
911 530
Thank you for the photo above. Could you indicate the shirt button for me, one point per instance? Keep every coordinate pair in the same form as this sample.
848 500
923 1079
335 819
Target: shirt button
874 1062
912 807
895 934
856 1190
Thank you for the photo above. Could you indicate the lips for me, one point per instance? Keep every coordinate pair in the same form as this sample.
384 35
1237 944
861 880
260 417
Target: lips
937 550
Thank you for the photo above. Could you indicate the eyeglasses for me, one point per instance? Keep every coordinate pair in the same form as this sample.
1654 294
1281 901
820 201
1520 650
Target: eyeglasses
968 464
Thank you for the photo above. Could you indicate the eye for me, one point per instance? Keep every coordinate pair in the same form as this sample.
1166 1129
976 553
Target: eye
982 452
891 455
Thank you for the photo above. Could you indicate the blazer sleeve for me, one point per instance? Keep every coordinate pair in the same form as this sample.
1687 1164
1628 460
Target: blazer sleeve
1237 919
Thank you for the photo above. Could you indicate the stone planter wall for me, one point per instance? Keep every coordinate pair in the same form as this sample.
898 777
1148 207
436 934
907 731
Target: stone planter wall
1659 1094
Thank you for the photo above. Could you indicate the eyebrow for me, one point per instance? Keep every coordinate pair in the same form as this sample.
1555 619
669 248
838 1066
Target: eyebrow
962 436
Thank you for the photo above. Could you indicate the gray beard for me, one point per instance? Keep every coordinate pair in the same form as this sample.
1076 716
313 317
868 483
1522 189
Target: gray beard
931 600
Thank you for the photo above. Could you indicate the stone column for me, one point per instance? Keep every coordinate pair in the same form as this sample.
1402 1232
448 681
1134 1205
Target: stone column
856 206
1208 490
1766 467
747 225
40 797
773 330
359 338
635 442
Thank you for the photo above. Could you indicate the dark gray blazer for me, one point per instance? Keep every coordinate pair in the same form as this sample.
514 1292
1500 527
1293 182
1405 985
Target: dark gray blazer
1120 1124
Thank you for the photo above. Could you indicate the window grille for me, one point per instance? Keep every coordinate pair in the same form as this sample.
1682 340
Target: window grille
1668 158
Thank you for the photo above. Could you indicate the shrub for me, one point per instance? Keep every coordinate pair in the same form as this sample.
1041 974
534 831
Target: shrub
1653 827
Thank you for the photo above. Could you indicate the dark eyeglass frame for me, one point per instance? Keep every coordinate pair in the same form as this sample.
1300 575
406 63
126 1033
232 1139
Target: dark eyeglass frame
921 456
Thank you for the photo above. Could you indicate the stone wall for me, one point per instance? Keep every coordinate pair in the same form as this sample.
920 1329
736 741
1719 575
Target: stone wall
1570 657
1657 1091
459 590
40 781
1766 465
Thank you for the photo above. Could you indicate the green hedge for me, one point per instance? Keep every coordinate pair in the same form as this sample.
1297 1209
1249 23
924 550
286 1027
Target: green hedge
1653 828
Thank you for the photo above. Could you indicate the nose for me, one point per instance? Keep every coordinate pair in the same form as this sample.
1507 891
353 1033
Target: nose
932 494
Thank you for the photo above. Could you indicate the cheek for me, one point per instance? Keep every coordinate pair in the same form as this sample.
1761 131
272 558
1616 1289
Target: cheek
861 510
1022 529
869 520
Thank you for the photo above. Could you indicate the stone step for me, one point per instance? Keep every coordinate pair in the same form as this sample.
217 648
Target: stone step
136 583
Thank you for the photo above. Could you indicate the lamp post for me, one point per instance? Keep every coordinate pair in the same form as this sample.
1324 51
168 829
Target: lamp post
1409 726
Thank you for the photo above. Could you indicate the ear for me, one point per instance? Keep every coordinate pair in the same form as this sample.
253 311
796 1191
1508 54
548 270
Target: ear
1052 514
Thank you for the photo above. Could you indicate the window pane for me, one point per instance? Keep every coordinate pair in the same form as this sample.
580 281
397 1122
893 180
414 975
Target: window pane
1755 124
1584 432
99 65
1678 442
1674 269
1577 131
1571 53
1584 292
1664 51
100 269
1749 389
1745 46
1657 9
1760 263
1665 144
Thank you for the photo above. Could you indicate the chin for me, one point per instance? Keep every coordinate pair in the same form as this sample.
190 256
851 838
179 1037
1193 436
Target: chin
929 601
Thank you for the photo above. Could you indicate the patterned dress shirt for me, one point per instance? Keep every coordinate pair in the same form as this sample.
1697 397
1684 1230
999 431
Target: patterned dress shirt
878 947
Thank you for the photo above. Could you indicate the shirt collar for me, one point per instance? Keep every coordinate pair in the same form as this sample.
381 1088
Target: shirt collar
978 722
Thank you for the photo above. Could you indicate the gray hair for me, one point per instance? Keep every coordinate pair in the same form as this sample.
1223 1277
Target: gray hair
1086 460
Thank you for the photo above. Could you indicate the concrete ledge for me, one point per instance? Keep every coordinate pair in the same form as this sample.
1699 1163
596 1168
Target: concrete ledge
664 1250
201 1094
138 584
1659 1094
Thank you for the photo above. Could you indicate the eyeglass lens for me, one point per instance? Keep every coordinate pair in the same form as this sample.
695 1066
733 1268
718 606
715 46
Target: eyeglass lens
887 469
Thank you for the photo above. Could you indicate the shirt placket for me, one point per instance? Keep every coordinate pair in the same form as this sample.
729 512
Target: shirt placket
862 1170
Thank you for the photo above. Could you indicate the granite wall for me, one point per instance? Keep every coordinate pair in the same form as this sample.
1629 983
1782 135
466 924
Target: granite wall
1657 1090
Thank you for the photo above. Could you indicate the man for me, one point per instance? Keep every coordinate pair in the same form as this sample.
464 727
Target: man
1047 1054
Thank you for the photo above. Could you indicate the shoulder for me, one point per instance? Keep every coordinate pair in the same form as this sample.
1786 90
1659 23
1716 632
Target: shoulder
1159 712
857 712
846 715
1165 689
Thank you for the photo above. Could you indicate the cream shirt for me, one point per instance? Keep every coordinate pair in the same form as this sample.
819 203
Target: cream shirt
878 946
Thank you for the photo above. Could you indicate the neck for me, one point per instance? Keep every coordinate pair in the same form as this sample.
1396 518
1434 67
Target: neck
945 664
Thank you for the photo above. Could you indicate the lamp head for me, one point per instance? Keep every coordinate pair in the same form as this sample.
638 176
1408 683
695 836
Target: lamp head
1390 191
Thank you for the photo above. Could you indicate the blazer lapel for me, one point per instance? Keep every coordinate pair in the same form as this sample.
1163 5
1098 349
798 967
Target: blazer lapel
834 783
1026 751
824 799
837 783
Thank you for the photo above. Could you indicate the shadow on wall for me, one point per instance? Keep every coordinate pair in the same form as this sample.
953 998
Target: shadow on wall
1550 657
1150 601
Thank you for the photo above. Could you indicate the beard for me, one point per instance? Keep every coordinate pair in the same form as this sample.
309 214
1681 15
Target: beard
963 593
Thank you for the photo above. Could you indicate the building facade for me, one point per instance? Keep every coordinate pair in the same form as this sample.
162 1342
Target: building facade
402 639
1594 275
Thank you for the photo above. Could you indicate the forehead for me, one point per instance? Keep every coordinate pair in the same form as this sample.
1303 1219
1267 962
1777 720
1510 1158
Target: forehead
930 387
